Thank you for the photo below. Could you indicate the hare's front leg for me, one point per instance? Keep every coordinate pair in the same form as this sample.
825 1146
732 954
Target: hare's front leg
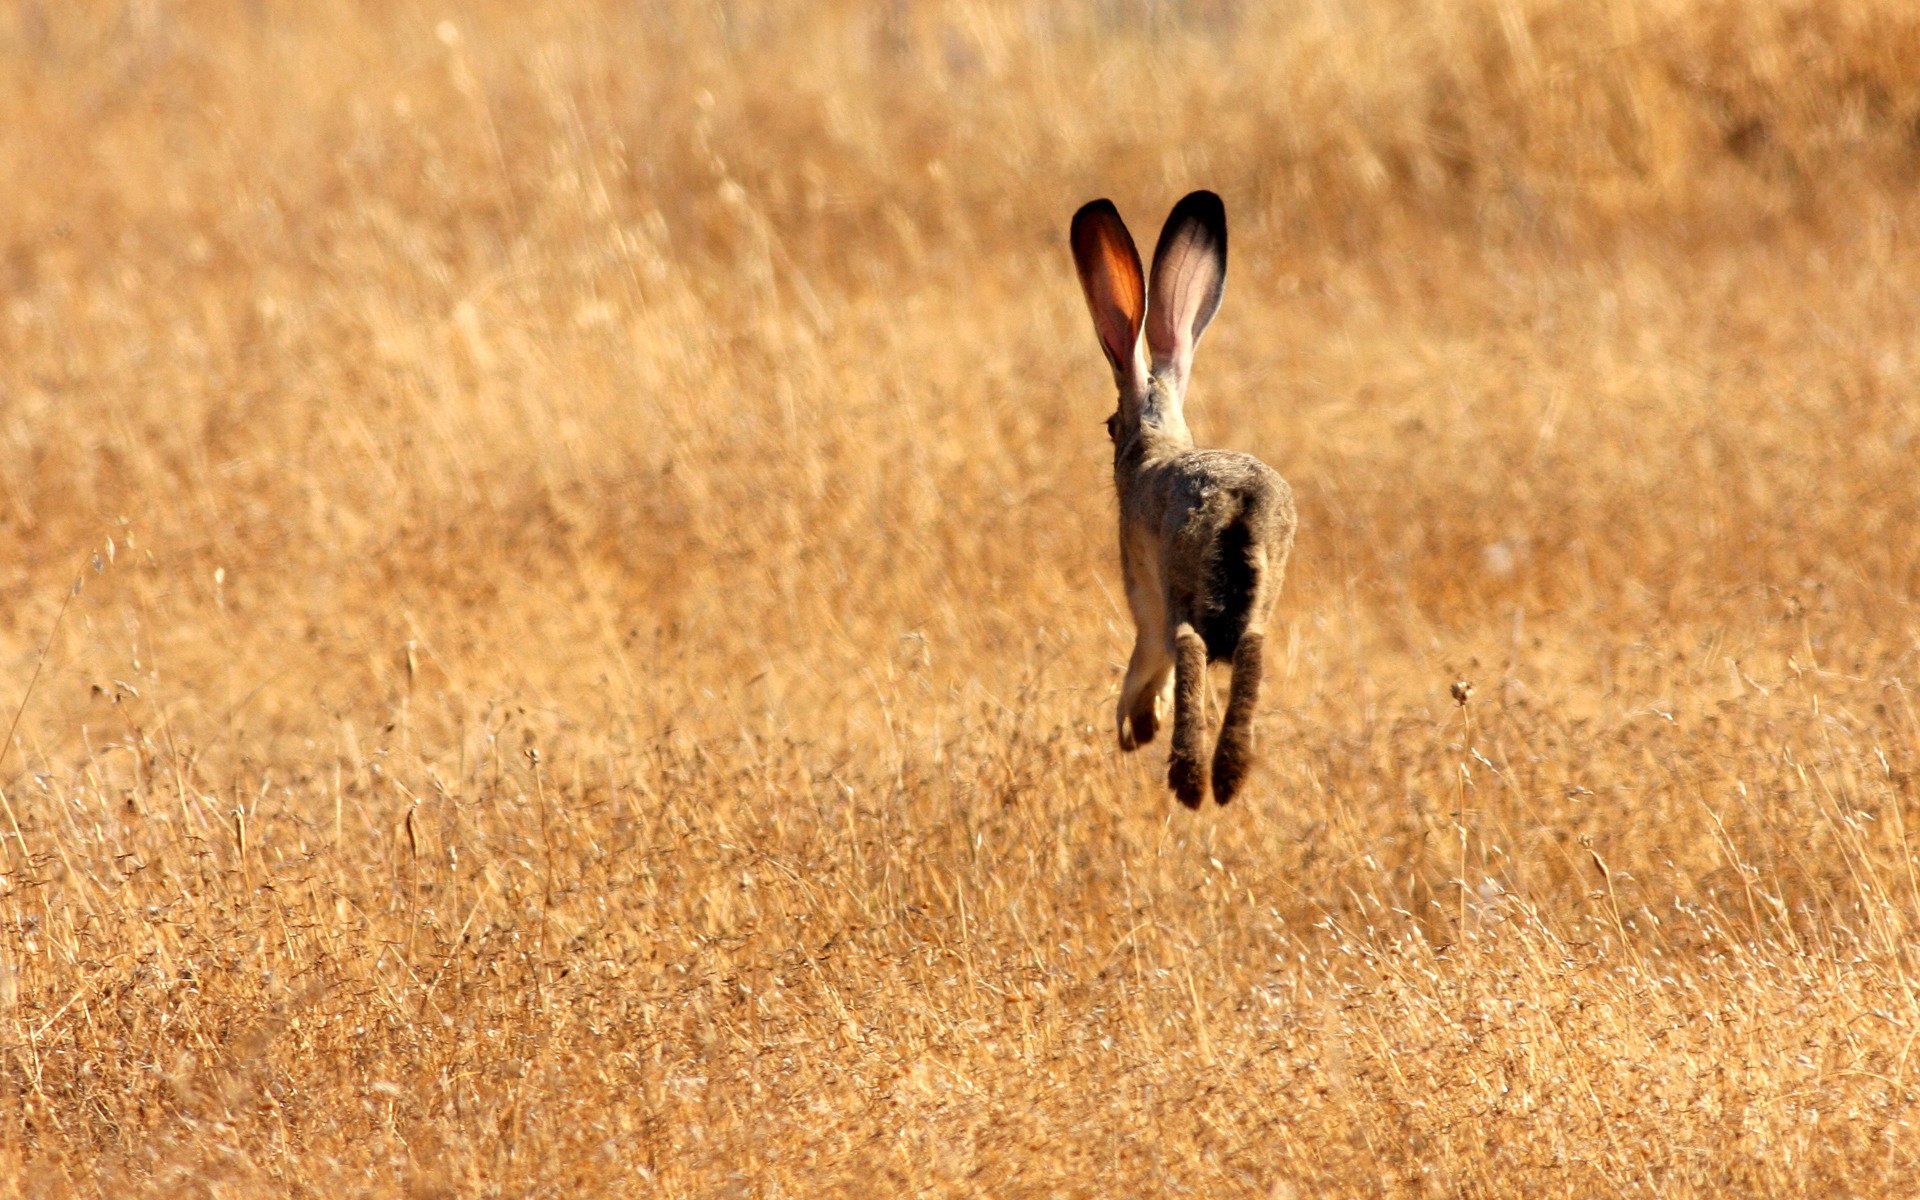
1149 672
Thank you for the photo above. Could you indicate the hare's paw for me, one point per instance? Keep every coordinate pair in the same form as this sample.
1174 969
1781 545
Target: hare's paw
1139 722
1232 763
1188 778
1146 723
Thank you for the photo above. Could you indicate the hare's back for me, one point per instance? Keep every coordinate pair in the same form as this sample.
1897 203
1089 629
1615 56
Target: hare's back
1227 485
1226 533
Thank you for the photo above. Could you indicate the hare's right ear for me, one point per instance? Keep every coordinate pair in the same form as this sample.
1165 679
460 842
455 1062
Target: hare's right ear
1189 275
1109 267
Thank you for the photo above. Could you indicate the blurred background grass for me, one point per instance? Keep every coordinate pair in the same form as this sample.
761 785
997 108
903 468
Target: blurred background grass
599 611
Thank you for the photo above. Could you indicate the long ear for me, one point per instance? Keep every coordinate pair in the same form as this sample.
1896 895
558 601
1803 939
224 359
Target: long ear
1109 269
1189 276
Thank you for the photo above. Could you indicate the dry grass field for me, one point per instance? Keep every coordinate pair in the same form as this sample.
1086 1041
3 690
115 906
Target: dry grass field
562 618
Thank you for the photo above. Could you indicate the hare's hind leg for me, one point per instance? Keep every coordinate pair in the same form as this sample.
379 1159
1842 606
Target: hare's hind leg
1233 757
1138 715
1186 762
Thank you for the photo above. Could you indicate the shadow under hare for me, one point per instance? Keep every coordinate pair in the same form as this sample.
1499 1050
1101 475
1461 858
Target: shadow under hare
1204 534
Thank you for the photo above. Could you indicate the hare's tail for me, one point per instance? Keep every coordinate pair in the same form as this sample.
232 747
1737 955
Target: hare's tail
1235 567
1186 760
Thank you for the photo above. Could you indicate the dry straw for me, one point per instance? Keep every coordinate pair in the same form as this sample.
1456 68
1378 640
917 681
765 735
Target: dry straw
699 395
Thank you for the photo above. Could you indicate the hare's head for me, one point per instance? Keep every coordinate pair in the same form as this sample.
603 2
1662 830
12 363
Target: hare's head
1189 275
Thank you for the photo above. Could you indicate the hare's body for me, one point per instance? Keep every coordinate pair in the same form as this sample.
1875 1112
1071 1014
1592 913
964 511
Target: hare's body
1204 534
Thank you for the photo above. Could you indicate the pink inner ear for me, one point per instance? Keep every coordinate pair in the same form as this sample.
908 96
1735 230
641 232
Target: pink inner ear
1189 275
1109 269
1186 290
1119 333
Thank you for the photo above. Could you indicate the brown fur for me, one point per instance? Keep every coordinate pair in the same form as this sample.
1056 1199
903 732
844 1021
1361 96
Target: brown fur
1186 761
1181 509
1204 534
1233 755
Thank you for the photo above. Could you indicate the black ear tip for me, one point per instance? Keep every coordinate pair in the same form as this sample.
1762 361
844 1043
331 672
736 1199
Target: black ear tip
1102 207
1205 207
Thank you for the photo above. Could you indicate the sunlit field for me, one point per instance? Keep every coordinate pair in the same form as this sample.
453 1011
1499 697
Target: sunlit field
562 613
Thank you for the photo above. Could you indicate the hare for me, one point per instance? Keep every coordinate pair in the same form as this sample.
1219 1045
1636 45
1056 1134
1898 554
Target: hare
1204 534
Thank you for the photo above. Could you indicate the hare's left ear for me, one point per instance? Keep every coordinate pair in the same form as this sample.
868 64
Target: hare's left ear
1189 277
1109 269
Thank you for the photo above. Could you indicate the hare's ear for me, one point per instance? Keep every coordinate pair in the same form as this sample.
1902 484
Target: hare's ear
1189 275
1109 269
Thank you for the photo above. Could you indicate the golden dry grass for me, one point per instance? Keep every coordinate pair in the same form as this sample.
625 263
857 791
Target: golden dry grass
599 615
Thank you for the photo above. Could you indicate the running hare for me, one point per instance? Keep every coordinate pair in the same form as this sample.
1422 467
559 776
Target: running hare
1204 534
